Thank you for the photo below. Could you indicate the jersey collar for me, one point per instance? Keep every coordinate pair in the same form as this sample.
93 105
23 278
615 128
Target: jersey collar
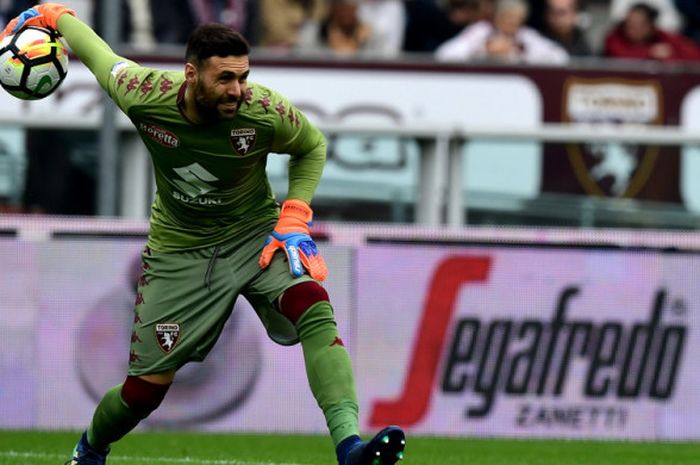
181 102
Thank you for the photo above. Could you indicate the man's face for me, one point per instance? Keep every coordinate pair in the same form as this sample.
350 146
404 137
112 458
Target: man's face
219 86
637 27
345 15
508 22
561 16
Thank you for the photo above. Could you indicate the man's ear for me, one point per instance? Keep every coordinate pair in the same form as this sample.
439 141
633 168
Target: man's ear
190 72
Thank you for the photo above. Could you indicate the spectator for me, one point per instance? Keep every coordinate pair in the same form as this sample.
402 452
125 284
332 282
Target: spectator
136 25
146 22
506 39
428 25
561 26
690 10
638 37
241 15
341 32
387 19
282 20
669 19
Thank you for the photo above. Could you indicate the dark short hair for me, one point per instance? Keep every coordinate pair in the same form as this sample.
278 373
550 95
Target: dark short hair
647 10
208 40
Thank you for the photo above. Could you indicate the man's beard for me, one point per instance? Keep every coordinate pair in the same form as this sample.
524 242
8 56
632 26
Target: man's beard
206 104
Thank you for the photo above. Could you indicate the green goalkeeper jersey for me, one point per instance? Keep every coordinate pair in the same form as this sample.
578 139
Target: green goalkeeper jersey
211 179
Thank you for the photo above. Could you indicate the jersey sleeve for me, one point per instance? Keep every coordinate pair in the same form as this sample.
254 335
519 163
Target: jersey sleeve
297 136
92 51
131 85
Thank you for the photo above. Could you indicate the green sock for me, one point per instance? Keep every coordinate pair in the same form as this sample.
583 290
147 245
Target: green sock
112 420
329 370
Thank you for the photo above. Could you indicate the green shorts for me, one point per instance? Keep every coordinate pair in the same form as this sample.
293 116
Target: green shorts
184 299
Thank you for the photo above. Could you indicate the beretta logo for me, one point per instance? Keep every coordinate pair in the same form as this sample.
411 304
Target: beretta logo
160 135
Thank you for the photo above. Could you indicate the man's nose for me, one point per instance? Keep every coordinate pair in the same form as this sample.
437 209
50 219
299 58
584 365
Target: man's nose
235 89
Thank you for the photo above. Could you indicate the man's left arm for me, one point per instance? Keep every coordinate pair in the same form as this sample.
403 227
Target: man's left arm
306 146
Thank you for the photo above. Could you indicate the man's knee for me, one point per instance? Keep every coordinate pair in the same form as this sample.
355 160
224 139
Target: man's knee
143 396
299 298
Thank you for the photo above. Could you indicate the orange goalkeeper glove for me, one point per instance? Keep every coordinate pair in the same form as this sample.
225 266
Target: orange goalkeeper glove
44 15
292 235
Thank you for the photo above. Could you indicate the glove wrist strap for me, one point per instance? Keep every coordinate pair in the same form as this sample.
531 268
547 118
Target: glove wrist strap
297 209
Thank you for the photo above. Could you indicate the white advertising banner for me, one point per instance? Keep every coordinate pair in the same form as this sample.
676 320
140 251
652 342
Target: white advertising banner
384 167
66 310
530 342
445 340
331 96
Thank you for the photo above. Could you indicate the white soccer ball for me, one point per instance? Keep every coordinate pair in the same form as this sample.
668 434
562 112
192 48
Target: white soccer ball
33 62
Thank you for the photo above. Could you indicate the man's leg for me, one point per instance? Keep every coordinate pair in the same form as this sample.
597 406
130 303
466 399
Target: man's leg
170 328
328 365
120 411
125 405
331 379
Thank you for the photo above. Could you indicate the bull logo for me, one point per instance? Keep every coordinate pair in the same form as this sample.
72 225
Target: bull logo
167 335
612 169
242 140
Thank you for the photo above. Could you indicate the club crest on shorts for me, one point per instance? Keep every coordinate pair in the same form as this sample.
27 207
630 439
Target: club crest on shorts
242 140
167 335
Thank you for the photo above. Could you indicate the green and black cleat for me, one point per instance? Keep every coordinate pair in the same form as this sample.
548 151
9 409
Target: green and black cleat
385 448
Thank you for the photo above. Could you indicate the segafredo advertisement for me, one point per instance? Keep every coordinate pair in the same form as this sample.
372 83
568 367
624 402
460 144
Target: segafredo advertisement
530 341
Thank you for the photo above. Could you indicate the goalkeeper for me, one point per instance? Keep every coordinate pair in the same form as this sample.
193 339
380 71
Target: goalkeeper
216 230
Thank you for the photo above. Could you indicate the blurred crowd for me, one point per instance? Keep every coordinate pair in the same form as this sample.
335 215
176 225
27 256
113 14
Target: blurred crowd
509 31
526 31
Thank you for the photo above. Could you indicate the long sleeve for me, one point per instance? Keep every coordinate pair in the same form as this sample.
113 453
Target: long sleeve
304 142
94 52
539 49
466 45
305 170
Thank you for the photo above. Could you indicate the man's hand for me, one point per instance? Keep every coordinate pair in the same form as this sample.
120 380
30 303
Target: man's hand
44 15
501 46
291 234
661 51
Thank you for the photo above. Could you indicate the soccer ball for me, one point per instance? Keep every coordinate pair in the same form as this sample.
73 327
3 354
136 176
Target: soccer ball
33 62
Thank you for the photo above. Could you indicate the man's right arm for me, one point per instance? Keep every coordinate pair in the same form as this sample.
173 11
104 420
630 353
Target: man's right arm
92 51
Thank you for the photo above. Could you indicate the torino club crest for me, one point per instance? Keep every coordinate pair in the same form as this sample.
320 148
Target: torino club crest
612 169
243 140
167 335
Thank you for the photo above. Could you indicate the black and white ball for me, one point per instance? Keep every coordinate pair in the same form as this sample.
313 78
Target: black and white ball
33 63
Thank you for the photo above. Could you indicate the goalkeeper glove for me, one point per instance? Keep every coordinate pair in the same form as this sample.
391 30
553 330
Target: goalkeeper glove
291 234
44 15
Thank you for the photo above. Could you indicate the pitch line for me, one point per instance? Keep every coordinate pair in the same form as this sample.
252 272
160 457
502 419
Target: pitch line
131 458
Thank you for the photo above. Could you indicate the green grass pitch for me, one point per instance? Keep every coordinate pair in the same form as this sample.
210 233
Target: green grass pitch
171 448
